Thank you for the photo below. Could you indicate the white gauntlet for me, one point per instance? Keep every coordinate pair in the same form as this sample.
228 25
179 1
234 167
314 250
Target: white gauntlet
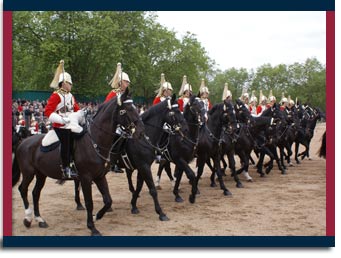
55 118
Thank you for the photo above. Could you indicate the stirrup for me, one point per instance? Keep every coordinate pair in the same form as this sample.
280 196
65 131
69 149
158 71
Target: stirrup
69 174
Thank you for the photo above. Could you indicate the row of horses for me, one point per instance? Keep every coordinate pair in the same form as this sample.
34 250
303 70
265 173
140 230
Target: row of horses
117 133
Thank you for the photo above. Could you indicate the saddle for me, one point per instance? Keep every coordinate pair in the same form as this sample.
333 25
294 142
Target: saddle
51 140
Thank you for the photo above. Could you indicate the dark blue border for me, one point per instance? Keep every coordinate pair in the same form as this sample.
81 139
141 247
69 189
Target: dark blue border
170 241
170 5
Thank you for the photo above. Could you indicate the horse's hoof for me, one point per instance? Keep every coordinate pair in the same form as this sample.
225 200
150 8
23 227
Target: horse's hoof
158 188
163 217
96 233
179 199
110 210
262 175
298 162
80 208
43 225
27 223
192 199
213 185
267 170
227 193
291 165
284 172
239 185
135 211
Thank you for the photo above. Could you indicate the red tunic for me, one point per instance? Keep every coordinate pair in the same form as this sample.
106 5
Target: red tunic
282 108
259 109
209 104
52 104
110 95
181 104
156 100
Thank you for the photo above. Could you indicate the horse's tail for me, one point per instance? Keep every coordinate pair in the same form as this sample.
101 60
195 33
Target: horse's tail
322 151
15 171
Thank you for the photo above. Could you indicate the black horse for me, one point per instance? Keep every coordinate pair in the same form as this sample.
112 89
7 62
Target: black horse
91 158
183 145
323 149
306 133
162 122
210 141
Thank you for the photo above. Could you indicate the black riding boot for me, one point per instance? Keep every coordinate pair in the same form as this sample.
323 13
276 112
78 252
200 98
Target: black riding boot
64 136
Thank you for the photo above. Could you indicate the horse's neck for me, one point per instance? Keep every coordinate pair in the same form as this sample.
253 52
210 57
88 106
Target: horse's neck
102 130
214 124
261 123
153 128
193 126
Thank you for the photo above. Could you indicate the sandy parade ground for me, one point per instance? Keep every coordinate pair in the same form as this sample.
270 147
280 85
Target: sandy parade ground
276 205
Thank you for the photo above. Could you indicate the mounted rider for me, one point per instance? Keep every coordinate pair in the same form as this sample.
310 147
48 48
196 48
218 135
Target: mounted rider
262 106
164 91
253 104
185 93
272 100
204 93
118 83
284 102
245 98
65 114
227 95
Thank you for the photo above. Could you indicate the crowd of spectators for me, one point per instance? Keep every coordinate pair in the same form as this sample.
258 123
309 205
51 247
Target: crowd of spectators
30 114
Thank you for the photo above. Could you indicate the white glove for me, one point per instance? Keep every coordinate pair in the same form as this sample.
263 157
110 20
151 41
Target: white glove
55 118
66 120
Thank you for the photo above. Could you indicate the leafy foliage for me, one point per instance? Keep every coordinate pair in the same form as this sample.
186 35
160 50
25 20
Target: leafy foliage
92 43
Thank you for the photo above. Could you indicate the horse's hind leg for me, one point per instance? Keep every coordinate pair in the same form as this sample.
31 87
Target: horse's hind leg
103 187
23 188
77 196
148 178
40 182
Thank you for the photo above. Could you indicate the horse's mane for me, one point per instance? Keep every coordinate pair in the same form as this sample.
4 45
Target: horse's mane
214 108
153 110
104 105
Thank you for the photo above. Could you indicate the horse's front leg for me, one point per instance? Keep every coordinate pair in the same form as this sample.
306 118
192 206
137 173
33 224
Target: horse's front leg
182 165
129 174
77 196
87 192
148 178
102 185
219 174
136 194
178 175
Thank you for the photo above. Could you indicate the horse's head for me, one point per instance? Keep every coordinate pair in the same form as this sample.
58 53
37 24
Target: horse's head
194 111
277 113
173 116
127 116
229 114
242 113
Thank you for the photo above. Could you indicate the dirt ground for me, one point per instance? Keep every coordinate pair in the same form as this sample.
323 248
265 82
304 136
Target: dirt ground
276 205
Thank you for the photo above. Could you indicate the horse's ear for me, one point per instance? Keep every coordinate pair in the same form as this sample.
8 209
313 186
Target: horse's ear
173 98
